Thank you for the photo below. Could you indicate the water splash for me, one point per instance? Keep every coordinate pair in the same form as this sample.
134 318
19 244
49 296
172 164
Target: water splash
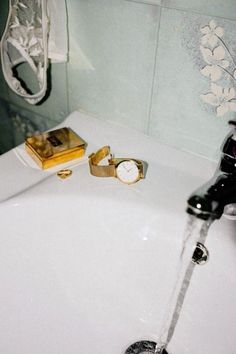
196 231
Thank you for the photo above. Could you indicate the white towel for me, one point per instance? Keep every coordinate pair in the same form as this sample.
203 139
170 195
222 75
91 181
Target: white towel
36 31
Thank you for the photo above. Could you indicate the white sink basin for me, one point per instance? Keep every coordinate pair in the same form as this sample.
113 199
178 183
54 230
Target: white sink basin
87 264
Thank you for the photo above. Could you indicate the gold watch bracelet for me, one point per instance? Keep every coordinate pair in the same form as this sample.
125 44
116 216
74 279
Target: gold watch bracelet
101 170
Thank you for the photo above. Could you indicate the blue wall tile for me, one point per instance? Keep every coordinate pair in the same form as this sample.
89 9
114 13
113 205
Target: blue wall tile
112 54
178 116
138 63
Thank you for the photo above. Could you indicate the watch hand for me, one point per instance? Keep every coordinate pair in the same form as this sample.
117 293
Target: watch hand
125 168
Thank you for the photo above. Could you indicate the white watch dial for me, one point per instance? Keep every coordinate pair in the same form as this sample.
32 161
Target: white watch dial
127 171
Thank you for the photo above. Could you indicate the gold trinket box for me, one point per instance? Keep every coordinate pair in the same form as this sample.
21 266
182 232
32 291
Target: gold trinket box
55 147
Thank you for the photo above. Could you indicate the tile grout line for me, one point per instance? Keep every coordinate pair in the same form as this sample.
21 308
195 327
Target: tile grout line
182 9
154 73
143 2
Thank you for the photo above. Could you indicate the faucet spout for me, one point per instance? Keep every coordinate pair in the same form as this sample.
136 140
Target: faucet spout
208 201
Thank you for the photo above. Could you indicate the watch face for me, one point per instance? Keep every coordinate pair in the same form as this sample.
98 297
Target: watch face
127 171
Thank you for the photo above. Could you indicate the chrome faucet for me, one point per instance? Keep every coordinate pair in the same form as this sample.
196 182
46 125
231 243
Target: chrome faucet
209 201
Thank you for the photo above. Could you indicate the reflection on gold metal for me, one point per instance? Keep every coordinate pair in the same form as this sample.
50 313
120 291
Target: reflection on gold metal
63 174
55 147
101 170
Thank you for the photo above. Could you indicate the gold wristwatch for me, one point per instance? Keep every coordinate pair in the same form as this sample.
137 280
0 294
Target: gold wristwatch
127 170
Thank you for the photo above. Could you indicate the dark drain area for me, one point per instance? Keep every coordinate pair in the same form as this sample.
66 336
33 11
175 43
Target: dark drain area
145 347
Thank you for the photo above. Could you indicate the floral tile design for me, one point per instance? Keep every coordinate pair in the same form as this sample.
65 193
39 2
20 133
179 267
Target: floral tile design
115 47
220 68
193 96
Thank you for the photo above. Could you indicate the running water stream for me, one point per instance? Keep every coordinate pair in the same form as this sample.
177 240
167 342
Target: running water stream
196 231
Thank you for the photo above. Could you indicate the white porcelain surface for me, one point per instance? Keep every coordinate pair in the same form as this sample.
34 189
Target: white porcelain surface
87 264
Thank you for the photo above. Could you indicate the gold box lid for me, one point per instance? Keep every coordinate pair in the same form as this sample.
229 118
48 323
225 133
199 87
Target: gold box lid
54 147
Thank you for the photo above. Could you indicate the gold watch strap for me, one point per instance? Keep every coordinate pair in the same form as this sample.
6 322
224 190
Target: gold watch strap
101 170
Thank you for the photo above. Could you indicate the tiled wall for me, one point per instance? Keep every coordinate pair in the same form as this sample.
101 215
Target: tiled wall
138 63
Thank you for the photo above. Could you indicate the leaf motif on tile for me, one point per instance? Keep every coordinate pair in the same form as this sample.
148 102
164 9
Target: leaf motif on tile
214 72
210 98
217 56
212 33
224 99
219 53
216 90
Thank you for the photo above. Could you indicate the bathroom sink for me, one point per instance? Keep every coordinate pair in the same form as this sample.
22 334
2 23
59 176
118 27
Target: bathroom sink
87 264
